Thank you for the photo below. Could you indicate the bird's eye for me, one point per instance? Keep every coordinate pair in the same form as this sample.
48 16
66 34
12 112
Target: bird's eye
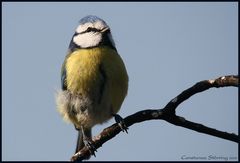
88 29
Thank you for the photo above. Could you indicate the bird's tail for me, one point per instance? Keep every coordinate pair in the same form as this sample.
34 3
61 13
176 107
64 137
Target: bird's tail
80 143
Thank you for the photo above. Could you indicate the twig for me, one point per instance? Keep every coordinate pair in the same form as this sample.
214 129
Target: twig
201 86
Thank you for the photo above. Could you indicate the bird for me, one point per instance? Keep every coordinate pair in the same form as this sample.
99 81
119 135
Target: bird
94 80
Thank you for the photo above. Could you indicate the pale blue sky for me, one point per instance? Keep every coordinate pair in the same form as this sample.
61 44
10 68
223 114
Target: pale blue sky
167 47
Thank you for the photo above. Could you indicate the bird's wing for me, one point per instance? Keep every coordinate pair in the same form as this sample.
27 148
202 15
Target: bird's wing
64 73
63 79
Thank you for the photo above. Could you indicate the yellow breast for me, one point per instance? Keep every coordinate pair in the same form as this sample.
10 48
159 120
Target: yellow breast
83 74
82 70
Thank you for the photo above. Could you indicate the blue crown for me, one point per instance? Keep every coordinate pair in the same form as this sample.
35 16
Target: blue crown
91 19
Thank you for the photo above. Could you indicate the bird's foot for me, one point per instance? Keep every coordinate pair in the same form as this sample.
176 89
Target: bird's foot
89 144
120 122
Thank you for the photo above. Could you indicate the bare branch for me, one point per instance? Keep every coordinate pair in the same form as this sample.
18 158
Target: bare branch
180 121
167 114
201 86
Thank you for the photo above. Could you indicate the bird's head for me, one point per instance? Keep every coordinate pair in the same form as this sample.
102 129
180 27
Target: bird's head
92 32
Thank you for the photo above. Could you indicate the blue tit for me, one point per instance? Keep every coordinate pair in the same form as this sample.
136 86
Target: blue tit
94 79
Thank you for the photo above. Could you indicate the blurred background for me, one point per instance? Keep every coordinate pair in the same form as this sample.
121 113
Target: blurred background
166 47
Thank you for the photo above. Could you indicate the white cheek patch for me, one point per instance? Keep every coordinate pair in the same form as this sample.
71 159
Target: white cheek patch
86 40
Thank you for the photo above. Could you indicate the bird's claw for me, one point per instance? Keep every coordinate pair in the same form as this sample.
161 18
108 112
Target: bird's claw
120 122
88 143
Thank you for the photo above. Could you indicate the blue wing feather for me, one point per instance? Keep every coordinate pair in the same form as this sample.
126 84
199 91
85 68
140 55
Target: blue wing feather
63 79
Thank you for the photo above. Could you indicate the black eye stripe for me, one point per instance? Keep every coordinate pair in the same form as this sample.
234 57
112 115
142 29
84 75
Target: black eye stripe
90 29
